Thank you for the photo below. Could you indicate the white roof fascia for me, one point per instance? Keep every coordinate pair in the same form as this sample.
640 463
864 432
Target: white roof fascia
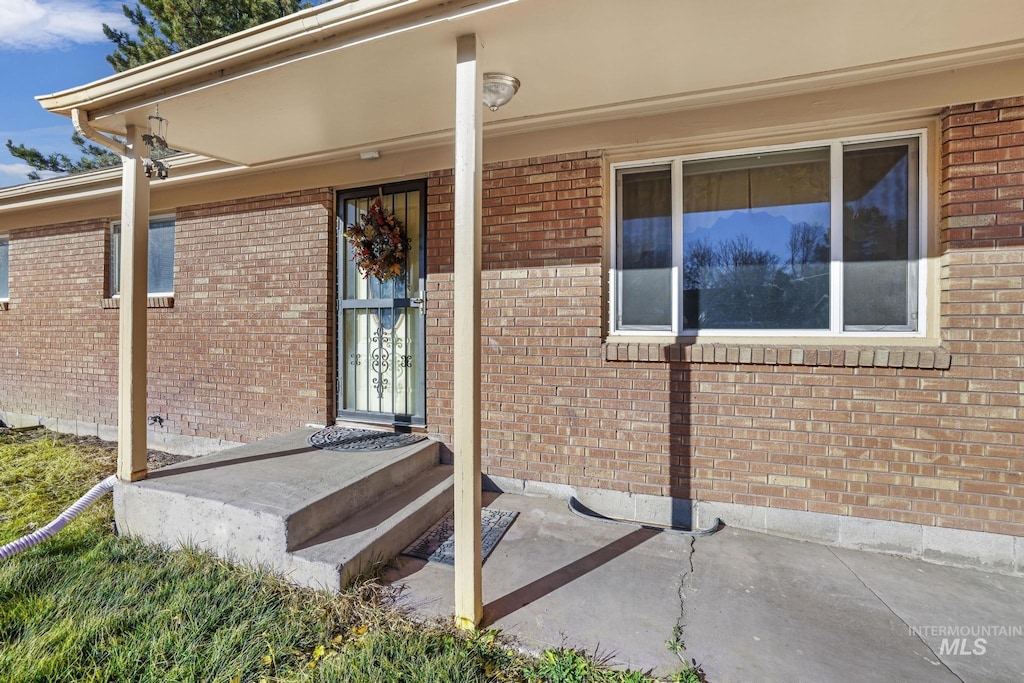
337 25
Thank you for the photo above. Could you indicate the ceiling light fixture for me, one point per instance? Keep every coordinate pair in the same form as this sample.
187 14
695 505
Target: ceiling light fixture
499 89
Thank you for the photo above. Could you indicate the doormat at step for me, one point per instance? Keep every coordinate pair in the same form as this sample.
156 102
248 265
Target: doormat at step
349 439
438 543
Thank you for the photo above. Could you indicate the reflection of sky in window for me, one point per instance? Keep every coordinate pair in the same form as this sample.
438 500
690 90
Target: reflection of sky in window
768 228
889 194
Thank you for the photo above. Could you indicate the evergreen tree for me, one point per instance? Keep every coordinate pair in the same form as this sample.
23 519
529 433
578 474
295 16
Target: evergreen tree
166 27
93 157
162 28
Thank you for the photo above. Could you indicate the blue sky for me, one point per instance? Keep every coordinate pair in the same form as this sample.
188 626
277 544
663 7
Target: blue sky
47 46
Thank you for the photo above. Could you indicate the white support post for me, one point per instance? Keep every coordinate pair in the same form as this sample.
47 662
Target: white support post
466 343
131 396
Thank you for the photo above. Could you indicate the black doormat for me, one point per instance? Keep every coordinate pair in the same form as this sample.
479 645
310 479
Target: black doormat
349 439
438 543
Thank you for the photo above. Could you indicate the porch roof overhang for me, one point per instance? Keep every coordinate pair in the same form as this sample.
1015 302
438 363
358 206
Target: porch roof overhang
346 77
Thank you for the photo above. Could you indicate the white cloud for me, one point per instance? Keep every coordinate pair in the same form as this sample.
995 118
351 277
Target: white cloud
42 24
17 174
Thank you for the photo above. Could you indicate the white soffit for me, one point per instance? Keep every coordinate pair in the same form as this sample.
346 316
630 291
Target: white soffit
578 60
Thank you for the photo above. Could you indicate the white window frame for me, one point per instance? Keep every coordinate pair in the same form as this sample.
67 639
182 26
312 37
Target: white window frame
835 330
7 239
115 255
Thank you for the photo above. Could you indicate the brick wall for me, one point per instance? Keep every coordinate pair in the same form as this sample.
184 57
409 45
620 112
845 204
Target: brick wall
245 352
983 306
541 315
926 444
58 350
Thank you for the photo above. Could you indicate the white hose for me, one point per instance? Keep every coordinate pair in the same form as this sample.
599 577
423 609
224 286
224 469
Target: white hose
26 542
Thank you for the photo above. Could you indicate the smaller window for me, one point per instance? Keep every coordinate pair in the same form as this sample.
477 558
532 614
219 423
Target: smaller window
161 257
645 248
5 268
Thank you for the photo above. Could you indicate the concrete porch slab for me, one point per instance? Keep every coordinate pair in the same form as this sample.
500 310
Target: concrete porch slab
751 607
556 579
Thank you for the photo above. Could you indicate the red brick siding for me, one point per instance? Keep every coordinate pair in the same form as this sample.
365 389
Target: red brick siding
245 352
58 352
983 306
926 446
541 316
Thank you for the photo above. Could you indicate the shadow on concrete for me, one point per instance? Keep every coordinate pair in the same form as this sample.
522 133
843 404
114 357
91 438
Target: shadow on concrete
531 592
172 470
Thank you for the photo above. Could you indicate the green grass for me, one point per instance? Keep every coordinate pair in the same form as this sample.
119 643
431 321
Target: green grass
89 606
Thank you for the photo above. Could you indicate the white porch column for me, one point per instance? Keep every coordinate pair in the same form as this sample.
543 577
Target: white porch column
131 396
466 343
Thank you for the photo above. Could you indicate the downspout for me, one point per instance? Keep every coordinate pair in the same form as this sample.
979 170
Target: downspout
81 121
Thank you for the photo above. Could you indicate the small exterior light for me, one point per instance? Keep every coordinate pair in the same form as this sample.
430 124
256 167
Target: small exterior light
499 89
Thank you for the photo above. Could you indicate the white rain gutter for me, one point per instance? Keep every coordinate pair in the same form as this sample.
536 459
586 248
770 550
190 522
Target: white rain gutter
286 40
81 121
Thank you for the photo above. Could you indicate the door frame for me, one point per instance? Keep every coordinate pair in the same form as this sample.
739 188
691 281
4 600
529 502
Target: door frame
342 264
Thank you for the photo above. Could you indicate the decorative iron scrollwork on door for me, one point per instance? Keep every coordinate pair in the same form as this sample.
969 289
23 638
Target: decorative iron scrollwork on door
383 346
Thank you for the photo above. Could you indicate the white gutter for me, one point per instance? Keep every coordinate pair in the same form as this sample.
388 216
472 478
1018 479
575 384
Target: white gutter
81 121
273 44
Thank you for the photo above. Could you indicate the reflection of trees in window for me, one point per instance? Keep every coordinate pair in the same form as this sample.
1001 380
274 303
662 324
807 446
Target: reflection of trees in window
732 284
808 250
700 263
872 235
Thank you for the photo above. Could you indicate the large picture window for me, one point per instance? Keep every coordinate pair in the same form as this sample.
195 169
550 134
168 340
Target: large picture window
819 240
161 257
5 268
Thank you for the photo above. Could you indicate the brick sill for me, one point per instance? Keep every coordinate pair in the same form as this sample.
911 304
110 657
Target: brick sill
925 358
151 302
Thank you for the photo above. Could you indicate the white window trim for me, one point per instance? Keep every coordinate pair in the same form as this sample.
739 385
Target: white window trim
152 219
835 328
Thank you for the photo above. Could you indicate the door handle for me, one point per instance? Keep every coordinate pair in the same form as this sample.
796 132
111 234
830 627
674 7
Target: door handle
420 303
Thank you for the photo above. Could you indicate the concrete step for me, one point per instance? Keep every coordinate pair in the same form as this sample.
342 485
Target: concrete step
377 534
254 503
358 494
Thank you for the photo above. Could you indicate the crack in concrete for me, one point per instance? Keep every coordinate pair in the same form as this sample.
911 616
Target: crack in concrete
677 644
893 612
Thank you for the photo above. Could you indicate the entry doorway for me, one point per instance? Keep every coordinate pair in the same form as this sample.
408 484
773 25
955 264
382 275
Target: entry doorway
381 331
